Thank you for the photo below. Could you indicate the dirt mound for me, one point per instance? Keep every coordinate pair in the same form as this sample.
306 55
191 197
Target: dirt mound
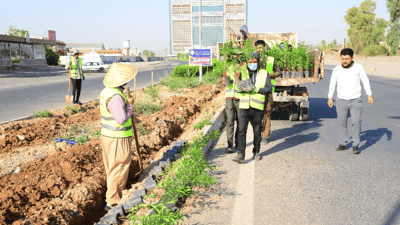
40 131
69 186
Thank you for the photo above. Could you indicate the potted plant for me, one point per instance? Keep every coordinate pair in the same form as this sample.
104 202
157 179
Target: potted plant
307 65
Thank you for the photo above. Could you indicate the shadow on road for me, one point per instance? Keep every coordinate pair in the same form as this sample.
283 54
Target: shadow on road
292 142
319 109
295 129
373 136
392 217
395 117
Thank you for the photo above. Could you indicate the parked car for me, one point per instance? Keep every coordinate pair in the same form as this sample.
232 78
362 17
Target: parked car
94 66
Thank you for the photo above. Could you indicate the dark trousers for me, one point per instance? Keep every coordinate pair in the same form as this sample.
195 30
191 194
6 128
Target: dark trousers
254 116
232 113
76 89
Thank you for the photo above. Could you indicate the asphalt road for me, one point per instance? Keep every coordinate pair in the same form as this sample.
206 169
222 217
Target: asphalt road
301 179
23 96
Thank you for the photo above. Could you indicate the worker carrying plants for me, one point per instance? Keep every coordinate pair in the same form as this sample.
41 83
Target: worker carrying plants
232 99
252 86
116 141
76 76
270 66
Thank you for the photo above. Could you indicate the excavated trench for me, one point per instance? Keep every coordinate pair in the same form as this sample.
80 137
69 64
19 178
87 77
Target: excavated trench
69 187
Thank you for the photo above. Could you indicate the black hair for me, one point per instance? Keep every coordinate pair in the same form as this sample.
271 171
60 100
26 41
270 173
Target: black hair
347 51
259 42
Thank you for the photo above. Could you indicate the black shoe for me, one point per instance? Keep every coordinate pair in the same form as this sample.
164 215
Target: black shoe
341 148
356 150
229 149
239 158
109 207
79 103
256 156
264 141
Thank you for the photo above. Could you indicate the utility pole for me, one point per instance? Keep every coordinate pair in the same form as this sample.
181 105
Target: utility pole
200 37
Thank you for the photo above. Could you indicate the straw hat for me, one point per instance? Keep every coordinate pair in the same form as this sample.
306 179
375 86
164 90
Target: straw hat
119 74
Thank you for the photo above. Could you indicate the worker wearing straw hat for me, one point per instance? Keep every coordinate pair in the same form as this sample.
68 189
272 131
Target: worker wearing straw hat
116 140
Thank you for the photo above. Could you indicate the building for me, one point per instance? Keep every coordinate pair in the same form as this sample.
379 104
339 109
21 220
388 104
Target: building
219 19
24 51
86 46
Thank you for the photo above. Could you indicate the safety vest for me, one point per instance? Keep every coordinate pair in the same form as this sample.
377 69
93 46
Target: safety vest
271 43
110 127
231 91
270 69
74 72
252 99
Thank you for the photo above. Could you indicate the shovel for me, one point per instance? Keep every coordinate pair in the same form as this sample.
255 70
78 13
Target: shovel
69 98
136 136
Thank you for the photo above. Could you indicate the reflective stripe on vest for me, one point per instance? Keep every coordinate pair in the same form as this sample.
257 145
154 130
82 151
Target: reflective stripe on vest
271 43
251 99
110 127
74 72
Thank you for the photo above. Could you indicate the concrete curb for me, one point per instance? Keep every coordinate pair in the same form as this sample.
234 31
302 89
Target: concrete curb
218 121
169 157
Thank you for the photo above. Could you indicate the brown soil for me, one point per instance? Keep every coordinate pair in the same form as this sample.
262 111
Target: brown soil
68 187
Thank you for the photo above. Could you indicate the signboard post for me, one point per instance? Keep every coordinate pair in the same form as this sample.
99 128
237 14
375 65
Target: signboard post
200 57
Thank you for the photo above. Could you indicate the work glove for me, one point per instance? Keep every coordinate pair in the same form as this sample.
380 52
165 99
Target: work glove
245 86
83 77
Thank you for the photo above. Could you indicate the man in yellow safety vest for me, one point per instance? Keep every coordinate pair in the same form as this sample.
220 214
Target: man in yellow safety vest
253 86
76 76
232 101
116 110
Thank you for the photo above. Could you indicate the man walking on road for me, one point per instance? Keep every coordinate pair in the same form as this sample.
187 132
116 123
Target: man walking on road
76 76
232 103
253 87
116 141
347 77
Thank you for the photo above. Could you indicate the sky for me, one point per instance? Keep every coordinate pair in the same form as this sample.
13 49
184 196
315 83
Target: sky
146 22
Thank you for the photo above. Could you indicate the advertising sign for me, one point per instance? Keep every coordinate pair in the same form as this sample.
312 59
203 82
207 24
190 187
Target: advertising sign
199 57
39 52
52 35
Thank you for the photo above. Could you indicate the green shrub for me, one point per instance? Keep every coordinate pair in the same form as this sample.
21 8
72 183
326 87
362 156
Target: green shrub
182 71
44 113
74 109
15 61
51 57
375 50
153 92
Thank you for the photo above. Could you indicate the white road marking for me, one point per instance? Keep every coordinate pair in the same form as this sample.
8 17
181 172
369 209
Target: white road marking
243 211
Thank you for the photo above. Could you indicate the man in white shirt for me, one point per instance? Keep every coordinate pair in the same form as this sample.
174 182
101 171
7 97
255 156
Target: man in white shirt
347 77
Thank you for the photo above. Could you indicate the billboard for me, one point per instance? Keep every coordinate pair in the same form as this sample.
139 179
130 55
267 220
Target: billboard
52 35
199 57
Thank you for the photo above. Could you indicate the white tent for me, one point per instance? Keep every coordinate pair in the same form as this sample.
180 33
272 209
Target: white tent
92 56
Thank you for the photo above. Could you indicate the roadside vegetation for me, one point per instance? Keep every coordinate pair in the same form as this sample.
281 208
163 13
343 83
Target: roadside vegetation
150 103
176 183
41 114
82 133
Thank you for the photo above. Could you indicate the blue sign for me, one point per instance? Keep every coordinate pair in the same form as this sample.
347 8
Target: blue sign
199 57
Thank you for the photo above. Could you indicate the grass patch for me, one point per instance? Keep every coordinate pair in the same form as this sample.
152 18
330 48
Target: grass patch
176 83
204 122
180 118
41 114
72 109
153 92
82 133
191 170
144 107
142 130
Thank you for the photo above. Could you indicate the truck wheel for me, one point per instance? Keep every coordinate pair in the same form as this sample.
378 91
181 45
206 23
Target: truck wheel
101 69
294 112
303 114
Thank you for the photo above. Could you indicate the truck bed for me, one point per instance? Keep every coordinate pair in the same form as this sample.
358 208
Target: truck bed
287 82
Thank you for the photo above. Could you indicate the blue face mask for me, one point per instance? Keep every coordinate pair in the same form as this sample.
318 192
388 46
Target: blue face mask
252 66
